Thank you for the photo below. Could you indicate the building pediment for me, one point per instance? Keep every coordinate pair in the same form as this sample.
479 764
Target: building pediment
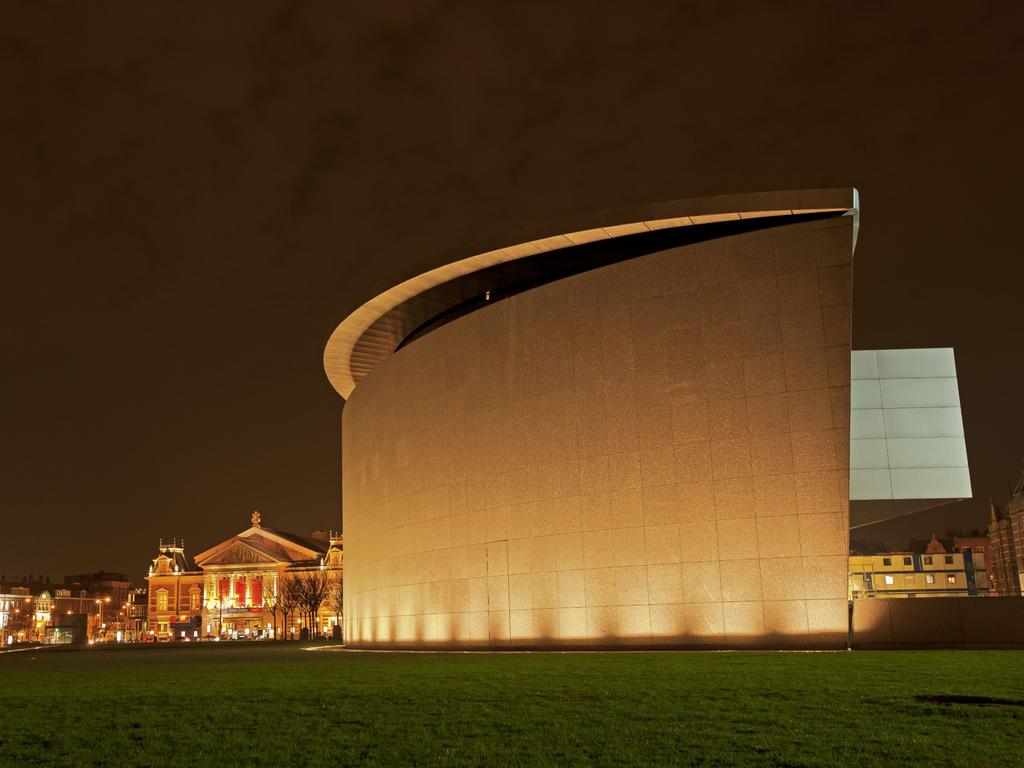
240 553
269 546
286 547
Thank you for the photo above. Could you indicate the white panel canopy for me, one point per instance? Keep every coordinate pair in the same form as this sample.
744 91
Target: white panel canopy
906 426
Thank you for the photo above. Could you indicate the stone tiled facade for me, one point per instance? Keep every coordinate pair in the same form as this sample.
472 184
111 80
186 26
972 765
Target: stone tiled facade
653 452
1006 531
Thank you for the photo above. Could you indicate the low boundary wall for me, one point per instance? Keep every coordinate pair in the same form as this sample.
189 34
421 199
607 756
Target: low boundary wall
939 622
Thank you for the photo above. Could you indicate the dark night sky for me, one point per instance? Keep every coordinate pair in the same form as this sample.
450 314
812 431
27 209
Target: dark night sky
195 198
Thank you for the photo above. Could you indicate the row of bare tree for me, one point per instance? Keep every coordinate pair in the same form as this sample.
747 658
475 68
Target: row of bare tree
301 595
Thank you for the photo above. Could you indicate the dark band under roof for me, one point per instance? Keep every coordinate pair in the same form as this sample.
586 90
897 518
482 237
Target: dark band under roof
373 332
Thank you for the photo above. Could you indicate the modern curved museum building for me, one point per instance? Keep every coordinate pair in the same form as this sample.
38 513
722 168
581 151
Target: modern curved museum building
633 428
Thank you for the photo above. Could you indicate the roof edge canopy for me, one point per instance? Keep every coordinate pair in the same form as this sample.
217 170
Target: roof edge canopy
342 362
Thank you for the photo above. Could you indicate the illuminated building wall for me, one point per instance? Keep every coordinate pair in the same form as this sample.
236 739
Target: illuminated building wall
651 452
913 574
234 589
1006 531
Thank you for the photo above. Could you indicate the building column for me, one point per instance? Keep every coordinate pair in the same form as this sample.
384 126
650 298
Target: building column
273 585
248 589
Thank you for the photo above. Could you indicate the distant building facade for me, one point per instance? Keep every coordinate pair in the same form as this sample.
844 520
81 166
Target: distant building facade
980 548
236 588
1006 531
135 617
36 610
116 586
936 572
174 592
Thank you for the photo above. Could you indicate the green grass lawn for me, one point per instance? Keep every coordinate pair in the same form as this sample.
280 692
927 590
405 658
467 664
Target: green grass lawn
266 704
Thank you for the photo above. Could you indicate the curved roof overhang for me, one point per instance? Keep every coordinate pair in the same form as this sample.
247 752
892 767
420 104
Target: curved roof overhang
373 332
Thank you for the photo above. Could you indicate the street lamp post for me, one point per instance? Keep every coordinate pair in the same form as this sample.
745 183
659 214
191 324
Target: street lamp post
99 611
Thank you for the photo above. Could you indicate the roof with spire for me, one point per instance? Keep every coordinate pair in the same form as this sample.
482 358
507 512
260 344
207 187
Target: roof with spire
1016 501
256 545
934 547
172 553
995 513
260 544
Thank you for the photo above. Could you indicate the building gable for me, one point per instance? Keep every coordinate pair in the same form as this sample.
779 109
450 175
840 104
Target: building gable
239 552
288 549
272 545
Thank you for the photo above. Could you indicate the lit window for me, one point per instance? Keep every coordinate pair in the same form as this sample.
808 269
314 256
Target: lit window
888 580
929 579
951 579
161 600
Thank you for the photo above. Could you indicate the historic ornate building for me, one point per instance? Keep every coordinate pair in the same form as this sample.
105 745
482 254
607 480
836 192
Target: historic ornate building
175 593
1006 531
240 587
